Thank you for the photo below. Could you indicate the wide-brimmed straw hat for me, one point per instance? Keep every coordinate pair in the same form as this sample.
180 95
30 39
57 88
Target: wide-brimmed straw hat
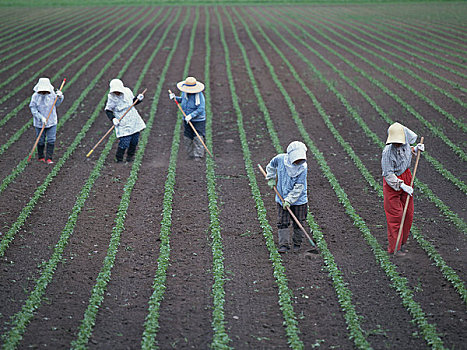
296 151
190 85
396 134
43 85
116 85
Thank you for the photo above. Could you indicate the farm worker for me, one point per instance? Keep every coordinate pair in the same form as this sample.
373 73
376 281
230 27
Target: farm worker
42 101
120 98
395 164
290 170
193 105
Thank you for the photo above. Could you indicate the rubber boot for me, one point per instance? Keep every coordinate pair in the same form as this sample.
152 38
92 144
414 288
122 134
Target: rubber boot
40 153
131 152
188 146
119 155
198 148
50 152
284 240
297 238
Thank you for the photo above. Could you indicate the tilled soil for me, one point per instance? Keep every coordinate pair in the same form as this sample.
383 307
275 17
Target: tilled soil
253 316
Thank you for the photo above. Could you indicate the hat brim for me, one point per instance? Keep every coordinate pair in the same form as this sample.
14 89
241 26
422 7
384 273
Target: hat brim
43 87
190 89
297 154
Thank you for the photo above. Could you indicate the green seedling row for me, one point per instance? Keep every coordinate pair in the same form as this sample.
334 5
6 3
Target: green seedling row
447 271
22 164
285 294
343 293
102 280
221 339
428 330
26 211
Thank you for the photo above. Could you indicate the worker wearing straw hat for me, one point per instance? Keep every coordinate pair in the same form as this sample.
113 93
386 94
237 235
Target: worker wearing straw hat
397 177
290 170
41 103
193 105
127 129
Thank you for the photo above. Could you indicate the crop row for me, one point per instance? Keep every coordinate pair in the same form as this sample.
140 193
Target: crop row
8 237
33 302
221 339
448 272
344 295
399 282
23 163
52 63
449 214
97 295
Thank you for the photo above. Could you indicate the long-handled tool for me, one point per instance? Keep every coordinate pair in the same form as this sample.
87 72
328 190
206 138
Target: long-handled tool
113 126
292 214
194 129
407 200
44 124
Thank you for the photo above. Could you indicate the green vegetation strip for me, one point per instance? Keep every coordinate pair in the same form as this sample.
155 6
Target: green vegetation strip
55 62
23 163
344 295
26 211
386 72
221 339
22 318
434 129
399 283
102 280
447 271
285 294
446 211
30 30
151 324
38 52
388 43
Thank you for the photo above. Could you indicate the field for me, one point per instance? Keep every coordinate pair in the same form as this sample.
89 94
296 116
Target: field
171 253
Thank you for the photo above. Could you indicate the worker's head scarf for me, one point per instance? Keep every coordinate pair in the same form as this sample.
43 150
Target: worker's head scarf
296 150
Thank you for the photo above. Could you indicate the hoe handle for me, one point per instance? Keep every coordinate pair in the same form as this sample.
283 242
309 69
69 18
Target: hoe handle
289 210
113 126
194 129
407 200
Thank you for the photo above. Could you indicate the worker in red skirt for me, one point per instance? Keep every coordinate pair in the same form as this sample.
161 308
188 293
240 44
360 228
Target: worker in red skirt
395 163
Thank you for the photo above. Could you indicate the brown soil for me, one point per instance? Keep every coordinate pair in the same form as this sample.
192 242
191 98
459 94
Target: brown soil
253 317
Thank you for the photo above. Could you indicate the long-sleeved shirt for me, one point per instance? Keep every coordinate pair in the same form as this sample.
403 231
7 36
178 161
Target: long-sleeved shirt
40 106
396 160
291 179
193 104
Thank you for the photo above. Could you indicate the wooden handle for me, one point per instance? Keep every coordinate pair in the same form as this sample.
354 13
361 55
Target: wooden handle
399 234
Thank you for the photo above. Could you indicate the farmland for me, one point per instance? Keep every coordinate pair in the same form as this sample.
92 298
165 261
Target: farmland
171 253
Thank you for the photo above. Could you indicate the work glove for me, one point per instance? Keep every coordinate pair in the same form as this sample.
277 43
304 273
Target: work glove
43 119
59 93
140 97
407 189
115 121
285 205
188 118
171 95
272 183
419 147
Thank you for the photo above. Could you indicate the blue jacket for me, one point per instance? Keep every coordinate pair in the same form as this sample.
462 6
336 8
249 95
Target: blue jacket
189 106
291 179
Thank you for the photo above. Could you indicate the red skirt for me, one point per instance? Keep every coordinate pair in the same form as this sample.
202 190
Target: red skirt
394 203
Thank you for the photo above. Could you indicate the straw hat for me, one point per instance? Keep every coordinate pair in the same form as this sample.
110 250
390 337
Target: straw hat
296 151
396 134
190 85
43 85
116 85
